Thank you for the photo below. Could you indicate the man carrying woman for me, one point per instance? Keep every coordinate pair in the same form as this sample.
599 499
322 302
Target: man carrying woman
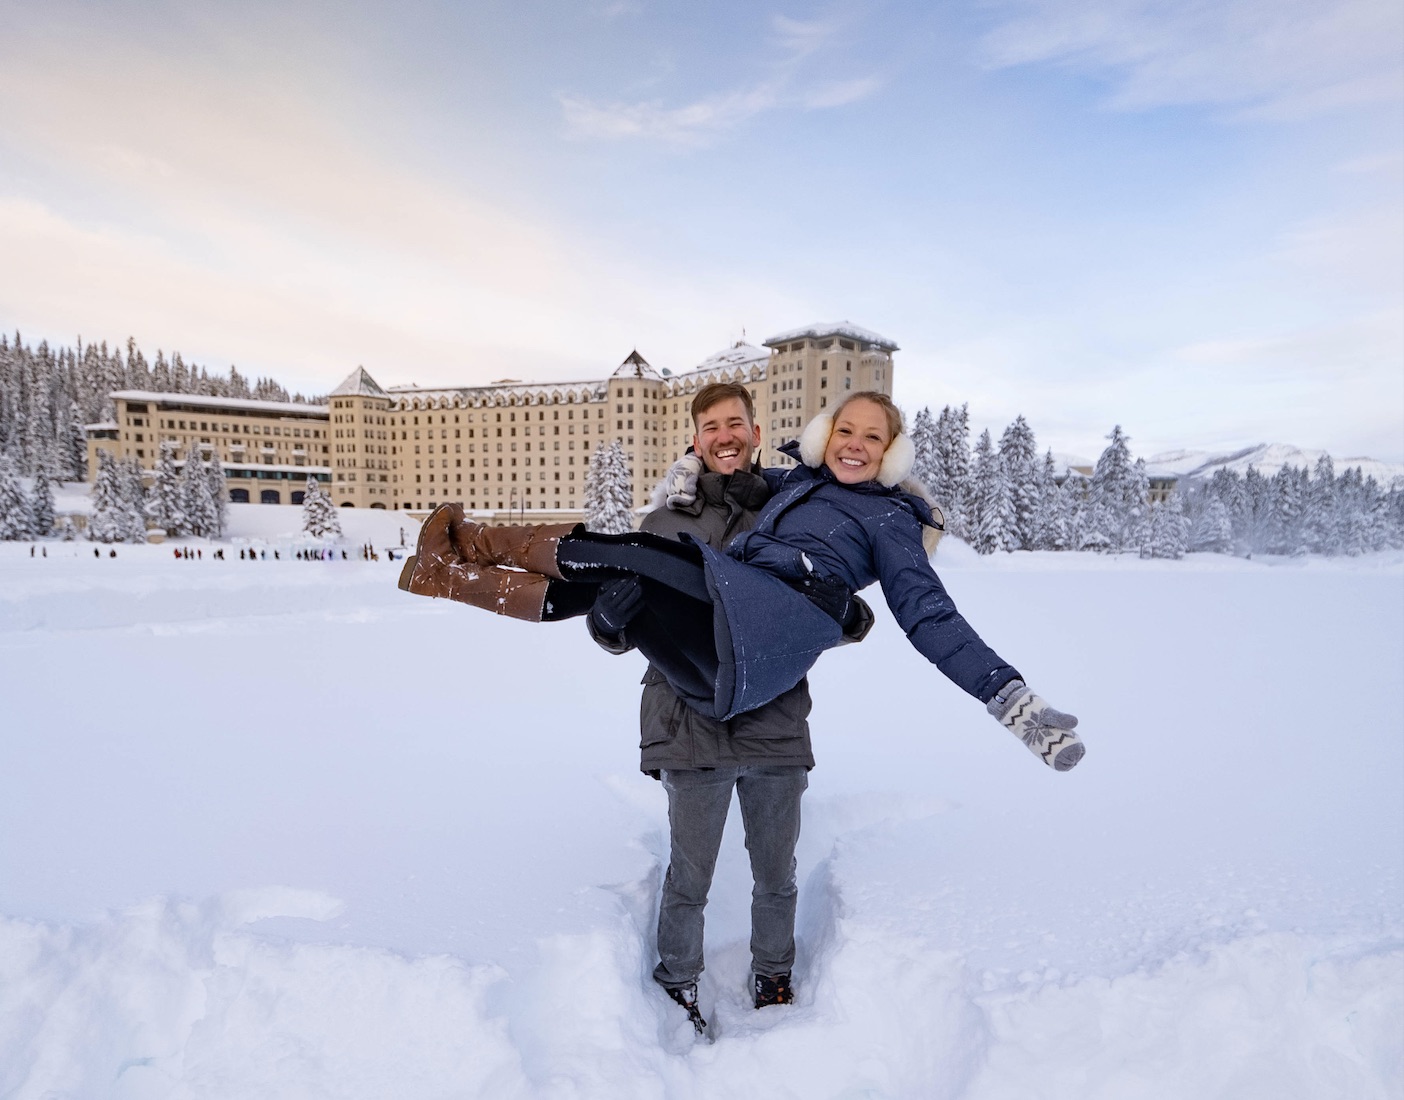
732 619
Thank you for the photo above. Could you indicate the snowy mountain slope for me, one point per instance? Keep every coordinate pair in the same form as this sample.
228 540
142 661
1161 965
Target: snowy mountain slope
1267 459
277 829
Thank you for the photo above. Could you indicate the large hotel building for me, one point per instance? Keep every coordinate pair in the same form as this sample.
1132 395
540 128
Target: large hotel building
508 450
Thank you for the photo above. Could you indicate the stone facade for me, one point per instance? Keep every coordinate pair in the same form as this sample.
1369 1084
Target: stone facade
508 451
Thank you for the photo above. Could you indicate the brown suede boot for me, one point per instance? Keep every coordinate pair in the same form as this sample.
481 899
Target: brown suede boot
531 547
509 592
423 573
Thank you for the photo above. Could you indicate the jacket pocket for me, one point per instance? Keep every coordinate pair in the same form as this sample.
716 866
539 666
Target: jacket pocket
659 712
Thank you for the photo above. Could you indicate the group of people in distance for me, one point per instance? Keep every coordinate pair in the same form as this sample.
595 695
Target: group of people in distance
736 582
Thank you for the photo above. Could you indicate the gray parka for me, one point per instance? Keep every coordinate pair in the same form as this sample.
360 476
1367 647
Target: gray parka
674 735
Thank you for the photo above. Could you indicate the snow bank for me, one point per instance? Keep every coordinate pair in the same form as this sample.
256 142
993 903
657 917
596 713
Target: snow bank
276 829
175 999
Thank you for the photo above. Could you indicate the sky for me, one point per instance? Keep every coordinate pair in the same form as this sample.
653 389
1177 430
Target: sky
1183 217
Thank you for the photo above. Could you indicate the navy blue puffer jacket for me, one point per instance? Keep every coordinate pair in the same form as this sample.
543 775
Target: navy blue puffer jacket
861 534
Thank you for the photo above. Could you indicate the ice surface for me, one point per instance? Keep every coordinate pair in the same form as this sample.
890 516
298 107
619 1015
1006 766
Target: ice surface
278 829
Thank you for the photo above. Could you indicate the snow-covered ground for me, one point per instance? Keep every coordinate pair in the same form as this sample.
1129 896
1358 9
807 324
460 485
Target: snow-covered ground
276 829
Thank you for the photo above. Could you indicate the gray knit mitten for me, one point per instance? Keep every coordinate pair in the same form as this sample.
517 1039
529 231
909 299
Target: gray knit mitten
1047 732
680 482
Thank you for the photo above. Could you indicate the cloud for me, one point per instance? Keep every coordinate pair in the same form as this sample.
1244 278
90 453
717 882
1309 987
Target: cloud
801 38
244 219
789 84
1282 58
692 124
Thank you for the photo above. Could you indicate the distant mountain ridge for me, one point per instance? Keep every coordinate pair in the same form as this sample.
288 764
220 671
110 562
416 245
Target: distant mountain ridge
1267 459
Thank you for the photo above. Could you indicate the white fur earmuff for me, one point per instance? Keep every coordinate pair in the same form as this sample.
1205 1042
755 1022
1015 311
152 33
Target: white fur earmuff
896 461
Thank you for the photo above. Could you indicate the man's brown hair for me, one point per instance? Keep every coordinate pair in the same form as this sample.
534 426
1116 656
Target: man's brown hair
716 392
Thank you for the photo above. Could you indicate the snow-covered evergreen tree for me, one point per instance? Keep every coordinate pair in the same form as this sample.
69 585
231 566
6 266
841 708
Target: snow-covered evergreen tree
41 505
1168 530
1289 489
1212 529
110 518
73 446
1322 529
1052 527
165 504
923 434
319 518
992 526
1116 498
953 486
134 517
608 494
1020 454
219 497
16 513
194 492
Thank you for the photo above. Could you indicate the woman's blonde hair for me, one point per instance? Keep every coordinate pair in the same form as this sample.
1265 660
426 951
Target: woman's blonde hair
895 424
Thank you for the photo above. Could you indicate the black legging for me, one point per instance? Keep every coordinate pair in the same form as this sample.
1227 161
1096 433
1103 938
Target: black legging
673 628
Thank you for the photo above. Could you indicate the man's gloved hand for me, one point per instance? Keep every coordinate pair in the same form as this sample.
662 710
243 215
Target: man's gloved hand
680 482
618 602
1047 732
830 595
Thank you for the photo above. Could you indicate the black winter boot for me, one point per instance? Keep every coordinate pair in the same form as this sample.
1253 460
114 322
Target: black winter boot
687 997
773 990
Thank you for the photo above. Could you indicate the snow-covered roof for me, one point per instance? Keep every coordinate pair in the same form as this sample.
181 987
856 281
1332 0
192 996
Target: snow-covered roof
822 329
636 366
740 354
360 382
203 401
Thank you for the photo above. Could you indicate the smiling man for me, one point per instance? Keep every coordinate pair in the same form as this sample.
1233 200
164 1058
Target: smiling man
763 755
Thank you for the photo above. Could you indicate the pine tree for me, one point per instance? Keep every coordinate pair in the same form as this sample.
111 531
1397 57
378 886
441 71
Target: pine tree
133 526
73 446
319 518
1051 517
1117 497
107 521
194 494
219 497
165 506
923 435
1212 529
993 520
1322 529
1169 530
608 494
1288 503
41 505
1020 454
953 487
16 514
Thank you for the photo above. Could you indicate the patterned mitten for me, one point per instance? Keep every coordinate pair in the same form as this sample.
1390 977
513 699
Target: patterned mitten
680 482
1047 732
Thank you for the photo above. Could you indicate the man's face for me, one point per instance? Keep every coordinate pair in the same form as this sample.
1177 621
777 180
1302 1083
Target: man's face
726 439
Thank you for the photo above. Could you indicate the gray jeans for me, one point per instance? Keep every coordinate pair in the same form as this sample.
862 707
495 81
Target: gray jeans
697 806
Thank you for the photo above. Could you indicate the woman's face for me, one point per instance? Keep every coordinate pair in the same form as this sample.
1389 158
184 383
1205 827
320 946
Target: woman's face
857 442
